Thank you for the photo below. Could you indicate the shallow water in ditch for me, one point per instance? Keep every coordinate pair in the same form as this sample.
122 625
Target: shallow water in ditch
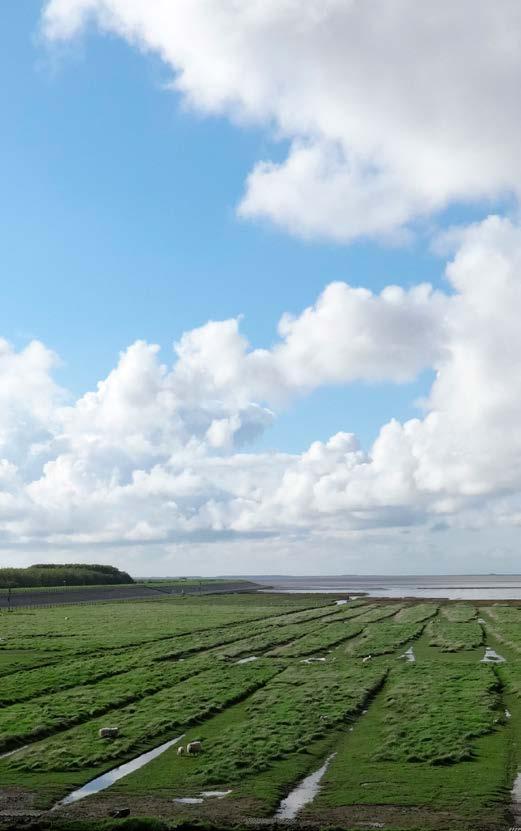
247 660
303 793
492 657
189 800
409 655
197 800
12 752
516 798
108 779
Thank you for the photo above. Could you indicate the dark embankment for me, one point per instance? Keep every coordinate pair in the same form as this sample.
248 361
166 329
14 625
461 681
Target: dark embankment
136 591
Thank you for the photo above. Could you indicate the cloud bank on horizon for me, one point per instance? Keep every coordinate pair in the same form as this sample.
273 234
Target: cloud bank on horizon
390 119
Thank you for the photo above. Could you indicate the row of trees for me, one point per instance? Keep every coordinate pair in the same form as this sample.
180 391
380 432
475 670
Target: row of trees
57 574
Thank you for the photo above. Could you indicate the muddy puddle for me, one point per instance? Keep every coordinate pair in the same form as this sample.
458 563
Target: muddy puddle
492 657
108 779
303 794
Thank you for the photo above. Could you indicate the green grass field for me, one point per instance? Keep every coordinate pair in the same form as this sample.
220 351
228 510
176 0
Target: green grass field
272 686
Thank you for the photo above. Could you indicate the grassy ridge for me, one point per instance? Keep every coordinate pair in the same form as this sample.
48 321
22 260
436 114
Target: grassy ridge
504 623
455 637
416 613
427 694
319 640
298 707
268 638
383 637
166 712
361 790
459 612
90 669
108 626
379 612
433 750
25 722
302 633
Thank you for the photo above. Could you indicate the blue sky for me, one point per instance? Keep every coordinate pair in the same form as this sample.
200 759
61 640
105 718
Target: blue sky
118 218
168 165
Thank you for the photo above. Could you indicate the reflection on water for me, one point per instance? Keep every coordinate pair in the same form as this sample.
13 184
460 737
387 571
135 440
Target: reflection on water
247 660
108 779
303 793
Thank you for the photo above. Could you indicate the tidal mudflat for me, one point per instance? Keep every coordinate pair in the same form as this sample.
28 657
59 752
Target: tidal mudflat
256 709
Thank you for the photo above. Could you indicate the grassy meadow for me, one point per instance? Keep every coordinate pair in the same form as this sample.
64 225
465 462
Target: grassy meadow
419 731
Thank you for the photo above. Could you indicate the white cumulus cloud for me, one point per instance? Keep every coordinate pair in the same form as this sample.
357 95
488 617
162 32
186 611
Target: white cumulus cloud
158 454
391 110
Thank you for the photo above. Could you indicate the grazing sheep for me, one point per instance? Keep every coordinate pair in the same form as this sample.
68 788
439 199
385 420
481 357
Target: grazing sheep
194 747
367 658
180 750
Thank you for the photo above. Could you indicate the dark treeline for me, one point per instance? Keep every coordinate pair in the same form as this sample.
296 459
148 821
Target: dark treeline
57 574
